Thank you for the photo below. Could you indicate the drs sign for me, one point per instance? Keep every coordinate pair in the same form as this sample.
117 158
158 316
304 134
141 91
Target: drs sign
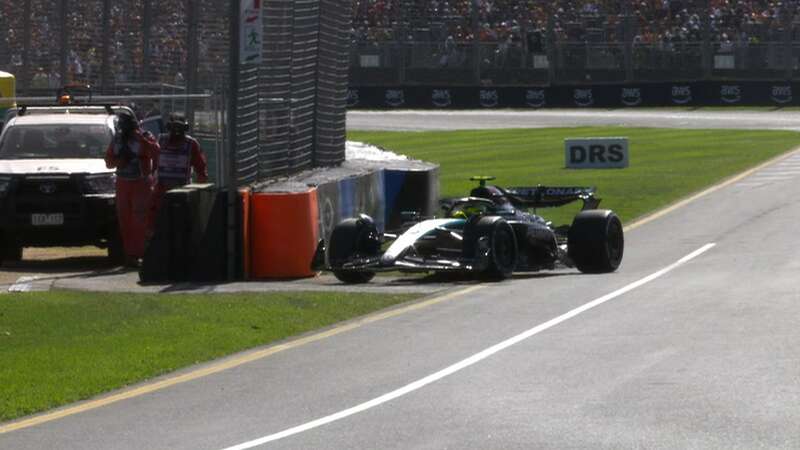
596 153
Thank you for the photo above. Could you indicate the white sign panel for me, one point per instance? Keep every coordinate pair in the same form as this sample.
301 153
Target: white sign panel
596 153
252 39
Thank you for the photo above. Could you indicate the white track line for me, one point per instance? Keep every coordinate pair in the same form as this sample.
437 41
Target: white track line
471 360
23 284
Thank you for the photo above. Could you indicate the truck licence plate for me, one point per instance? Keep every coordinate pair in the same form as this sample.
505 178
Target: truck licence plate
40 220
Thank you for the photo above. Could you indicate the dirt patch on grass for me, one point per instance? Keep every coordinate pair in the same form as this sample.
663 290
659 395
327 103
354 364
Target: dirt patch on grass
53 261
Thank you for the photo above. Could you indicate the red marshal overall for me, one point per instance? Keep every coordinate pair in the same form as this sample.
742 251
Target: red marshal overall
176 159
177 156
133 161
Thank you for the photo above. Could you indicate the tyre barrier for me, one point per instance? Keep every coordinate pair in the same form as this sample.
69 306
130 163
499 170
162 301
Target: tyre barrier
280 225
190 237
288 218
283 234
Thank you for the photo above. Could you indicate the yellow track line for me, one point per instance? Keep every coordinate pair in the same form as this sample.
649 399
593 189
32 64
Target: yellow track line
229 363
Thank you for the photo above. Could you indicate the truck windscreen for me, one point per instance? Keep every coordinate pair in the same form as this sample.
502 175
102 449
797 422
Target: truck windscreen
55 141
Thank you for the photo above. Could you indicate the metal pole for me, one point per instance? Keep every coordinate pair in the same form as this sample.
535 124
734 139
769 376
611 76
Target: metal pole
146 28
26 46
787 15
317 70
476 43
105 48
553 61
233 89
708 57
63 36
192 57
627 35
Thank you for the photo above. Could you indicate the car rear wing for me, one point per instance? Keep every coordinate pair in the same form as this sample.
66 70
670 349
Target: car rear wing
551 196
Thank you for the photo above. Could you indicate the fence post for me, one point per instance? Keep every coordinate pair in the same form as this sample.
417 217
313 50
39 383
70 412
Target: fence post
24 77
476 42
708 57
192 55
552 55
788 18
63 7
147 20
627 36
105 48
233 106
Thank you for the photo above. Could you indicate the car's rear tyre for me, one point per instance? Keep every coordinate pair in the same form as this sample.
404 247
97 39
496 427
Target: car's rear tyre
350 239
596 242
501 242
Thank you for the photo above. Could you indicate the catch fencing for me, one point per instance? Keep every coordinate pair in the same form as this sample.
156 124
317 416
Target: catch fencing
290 109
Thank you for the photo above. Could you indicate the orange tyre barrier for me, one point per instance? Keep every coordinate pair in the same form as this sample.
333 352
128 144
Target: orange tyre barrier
283 234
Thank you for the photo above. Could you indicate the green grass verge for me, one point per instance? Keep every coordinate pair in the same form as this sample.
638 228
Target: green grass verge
60 347
665 164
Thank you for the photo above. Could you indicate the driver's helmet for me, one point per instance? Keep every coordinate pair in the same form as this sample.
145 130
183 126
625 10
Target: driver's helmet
467 210
489 192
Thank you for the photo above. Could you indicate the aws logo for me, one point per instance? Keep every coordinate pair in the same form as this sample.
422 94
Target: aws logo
489 98
441 98
583 97
631 96
782 94
730 93
395 97
681 95
535 98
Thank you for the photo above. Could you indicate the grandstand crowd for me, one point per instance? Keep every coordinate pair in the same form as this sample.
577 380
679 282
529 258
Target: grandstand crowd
167 40
653 21
528 23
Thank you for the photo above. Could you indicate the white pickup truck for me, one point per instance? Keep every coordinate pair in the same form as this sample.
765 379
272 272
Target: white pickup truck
55 189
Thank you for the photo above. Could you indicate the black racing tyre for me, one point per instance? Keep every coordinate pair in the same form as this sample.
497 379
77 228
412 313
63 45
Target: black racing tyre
502 244
596 242
352 238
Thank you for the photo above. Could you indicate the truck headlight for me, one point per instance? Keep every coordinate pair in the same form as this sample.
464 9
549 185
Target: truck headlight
101 183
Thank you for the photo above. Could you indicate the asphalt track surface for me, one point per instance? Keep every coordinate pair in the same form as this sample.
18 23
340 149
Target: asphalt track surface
691 344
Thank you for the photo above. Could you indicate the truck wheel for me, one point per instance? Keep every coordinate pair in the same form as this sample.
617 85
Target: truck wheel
350 239
595 241
501 242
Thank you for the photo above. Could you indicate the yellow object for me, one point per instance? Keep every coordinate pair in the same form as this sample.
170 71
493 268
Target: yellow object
8 93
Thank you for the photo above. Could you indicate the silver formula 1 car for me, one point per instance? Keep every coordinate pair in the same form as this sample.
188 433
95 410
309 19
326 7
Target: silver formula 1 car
491 233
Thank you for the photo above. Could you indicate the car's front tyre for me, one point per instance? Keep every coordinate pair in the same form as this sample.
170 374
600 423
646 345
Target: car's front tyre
352 239
499 239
